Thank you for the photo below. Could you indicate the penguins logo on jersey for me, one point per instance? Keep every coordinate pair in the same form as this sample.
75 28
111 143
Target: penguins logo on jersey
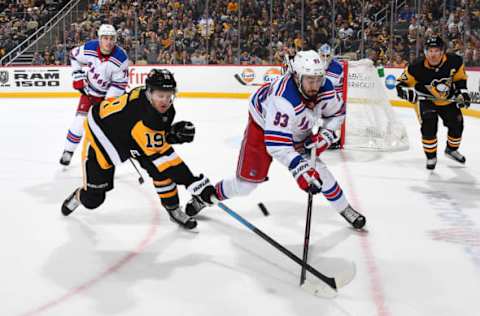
440 88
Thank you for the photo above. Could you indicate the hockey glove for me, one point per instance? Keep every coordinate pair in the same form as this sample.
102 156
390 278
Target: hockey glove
203 189
320 141
407 93
307 178
79 78
181 132
463 98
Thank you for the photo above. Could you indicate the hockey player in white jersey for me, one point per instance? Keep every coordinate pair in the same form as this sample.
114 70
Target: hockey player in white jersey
334 69
100 72
334 73
281 115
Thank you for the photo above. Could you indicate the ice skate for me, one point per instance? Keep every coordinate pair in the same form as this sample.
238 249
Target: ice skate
355 219
182 219
431 163
70 203
455 155
66 158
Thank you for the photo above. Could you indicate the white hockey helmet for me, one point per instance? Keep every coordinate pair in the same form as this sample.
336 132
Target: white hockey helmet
106 30
307 63
326 53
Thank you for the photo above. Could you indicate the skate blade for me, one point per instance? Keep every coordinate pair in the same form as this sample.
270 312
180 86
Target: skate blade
453 159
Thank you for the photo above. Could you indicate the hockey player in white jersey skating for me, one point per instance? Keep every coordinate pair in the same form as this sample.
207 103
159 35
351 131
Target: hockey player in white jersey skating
281 115
105 77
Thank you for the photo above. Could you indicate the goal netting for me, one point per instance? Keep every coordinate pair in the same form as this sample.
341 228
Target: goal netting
371 123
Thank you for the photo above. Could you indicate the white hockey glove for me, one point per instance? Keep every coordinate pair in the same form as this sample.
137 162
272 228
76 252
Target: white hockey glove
203 189
79 78
307 178
320 141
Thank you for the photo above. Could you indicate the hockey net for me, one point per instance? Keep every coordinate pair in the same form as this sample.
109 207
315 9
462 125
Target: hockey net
371 123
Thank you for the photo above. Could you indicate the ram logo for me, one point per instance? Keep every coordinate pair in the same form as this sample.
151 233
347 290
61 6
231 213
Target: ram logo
37 78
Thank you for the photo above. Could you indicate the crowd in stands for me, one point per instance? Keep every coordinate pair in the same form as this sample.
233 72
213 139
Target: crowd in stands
20 18
460 29
256 32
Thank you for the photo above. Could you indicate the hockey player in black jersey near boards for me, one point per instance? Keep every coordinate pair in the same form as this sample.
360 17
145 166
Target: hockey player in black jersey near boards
139 125
441 76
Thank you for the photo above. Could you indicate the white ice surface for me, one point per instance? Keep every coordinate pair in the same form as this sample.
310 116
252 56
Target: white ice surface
420 256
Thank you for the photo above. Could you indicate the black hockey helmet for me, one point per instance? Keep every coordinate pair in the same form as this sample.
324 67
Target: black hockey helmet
433 41
160 79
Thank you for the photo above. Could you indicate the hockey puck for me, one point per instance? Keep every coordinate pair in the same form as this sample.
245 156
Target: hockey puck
263 209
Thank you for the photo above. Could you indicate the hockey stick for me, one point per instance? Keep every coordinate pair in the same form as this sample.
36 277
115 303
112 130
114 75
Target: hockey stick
326 289
140 178
306 239
474 98
244 83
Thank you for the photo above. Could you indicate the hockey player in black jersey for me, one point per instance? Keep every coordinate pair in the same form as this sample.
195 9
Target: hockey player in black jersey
430 83
139 125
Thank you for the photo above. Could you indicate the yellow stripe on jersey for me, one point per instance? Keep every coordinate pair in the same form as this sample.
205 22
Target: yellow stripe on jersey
165 188
453 138
430 150
102 161
429 145
429 141
151 141
168 194
407 78
460 74
454 142
426 64
160 183
166 161
135 93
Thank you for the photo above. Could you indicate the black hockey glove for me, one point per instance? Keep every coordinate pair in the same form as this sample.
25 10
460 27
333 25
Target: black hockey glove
407 93
463 98
181 132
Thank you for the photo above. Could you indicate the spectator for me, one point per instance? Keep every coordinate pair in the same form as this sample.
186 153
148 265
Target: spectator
142 60
406 13
48 58
148 29
398 61
59 54
38 59
244 58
